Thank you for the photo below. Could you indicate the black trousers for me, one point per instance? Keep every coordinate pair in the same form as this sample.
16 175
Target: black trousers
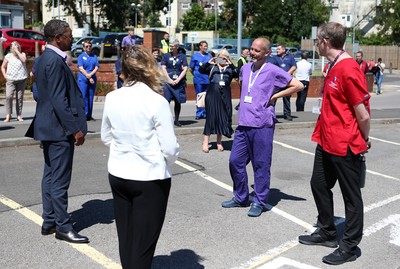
286 106
327 170
139 208
301 96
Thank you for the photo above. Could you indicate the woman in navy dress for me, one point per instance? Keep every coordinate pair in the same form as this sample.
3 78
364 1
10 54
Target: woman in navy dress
218 101
174 66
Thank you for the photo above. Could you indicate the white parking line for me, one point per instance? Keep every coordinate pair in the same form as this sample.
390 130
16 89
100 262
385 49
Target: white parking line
384 141
260 262
91 252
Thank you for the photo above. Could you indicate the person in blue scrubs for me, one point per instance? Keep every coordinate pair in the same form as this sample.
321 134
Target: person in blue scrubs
200 81
88 66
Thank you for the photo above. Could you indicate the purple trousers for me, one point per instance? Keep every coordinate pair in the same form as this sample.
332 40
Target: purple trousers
251 145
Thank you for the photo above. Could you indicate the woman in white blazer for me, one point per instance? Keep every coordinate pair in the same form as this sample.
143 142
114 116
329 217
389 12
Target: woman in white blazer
138 127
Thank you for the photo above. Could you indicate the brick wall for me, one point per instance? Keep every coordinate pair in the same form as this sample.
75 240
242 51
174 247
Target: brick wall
106 74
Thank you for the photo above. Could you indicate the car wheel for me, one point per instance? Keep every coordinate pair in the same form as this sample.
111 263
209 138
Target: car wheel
96 52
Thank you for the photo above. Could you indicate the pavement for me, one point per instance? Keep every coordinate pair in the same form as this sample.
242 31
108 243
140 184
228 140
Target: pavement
384 108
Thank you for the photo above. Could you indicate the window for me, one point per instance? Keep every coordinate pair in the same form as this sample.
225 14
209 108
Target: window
5 20
168 21
185 5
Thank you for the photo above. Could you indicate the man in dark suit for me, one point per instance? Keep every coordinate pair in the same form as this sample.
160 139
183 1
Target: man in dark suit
60 124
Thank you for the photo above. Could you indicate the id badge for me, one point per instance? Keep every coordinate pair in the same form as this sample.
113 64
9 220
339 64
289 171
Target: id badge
222 83
248 99
175 76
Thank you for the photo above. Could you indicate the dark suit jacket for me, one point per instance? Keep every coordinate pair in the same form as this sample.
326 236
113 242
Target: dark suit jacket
60 111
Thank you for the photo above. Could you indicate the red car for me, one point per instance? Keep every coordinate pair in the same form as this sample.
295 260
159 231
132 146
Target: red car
26 38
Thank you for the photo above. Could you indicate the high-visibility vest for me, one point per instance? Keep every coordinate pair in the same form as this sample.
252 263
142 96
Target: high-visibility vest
164 46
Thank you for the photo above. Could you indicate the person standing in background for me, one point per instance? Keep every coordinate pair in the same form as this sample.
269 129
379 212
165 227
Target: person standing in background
130 39
14 71
287 63
341 133
242 61
218 101
379 75
174 66
137 127
363 64
371 64
60 125
200 81
303 73
165 44
88 65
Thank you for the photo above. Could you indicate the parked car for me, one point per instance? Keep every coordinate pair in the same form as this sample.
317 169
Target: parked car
219 47
77 47
26 38
297 55
96 45
111 41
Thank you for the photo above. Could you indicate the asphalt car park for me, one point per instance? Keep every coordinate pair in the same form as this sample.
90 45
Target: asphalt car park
198 232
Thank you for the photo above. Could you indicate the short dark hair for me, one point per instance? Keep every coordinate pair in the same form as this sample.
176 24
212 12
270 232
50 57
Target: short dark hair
362 54
53 28
282 45
244 48
333 31
304 55
202 42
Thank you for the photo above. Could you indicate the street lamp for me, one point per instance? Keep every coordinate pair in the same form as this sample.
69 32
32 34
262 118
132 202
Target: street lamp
136 7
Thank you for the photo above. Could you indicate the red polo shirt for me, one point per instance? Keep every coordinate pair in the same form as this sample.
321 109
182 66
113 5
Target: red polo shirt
337 128
364 67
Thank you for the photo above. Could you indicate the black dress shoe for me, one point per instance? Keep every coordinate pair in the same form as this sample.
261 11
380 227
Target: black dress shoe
316 239
72 237
338 257
197 118
177 123
48 231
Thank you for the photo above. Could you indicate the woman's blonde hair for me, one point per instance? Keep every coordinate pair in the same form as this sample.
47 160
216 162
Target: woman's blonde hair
224 52
138 65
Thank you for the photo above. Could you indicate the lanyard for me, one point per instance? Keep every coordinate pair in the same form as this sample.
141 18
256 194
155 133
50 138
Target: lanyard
329 69
251 82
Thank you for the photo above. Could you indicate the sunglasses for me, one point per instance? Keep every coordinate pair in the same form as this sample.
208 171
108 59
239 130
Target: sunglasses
88 47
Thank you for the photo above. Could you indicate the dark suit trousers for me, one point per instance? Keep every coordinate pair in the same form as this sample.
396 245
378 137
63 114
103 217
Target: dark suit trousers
139 208
58 156
327 170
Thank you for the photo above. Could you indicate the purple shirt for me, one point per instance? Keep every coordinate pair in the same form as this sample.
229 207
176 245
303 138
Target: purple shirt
128 40
270 80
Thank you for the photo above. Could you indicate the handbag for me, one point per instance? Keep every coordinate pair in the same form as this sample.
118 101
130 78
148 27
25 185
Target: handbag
201 100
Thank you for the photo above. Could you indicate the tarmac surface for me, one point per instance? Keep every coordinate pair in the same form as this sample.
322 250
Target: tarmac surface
198 233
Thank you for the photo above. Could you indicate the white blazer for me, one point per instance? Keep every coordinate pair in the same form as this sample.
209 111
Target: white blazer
138 127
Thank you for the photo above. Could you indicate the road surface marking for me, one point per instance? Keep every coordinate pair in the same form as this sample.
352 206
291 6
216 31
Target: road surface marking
394 231
384 141
281 261
83 248
229 188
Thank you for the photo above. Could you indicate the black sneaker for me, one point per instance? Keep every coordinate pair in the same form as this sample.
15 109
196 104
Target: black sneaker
316 239
338 257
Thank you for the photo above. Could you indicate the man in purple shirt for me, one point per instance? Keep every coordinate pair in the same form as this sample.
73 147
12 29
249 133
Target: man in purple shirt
130 39
261 82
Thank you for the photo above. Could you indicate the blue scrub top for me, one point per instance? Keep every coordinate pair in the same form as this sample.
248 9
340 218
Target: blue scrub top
88 62
174 64
196 61
285 62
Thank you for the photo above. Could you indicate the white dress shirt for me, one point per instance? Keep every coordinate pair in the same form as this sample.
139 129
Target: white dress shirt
138 127
304 70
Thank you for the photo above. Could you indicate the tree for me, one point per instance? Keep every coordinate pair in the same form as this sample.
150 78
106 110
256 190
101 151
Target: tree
281 20
197 20
118 13
387 15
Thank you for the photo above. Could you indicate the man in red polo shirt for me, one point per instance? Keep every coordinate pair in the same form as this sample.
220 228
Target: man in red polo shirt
341 132
363 64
